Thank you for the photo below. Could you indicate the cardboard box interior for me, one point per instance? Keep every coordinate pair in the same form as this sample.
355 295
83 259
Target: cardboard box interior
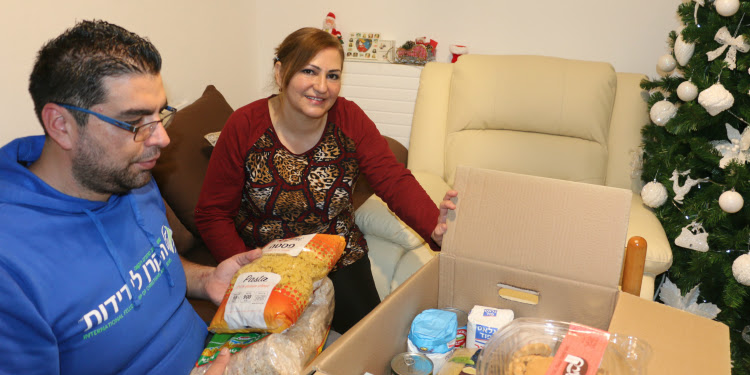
562 239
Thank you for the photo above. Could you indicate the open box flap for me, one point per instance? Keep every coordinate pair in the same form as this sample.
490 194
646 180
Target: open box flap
559 228
683 343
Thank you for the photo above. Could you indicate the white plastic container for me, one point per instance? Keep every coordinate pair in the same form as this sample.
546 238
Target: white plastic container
483 323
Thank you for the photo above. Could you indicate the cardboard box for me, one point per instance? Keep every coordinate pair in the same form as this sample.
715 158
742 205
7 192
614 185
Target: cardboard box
564 240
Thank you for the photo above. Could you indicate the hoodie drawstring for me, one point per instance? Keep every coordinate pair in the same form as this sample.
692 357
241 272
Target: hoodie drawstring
111 250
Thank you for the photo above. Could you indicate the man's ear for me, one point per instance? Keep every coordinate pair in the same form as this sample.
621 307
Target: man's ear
60 125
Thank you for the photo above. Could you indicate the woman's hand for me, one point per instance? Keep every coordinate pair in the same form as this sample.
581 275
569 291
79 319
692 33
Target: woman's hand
445 206
218 281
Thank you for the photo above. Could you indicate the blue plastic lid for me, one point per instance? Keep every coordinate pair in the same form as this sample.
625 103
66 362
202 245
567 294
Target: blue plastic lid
434 331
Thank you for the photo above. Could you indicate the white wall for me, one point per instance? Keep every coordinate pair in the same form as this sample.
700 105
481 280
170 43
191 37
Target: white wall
629 34
230 43
201 42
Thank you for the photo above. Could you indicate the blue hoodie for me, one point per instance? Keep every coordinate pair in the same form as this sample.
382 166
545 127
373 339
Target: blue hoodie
88 287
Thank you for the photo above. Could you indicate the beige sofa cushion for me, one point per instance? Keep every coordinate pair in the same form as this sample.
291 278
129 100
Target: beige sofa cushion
498 103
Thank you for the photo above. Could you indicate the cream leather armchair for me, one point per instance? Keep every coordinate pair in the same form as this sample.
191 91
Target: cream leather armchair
543 116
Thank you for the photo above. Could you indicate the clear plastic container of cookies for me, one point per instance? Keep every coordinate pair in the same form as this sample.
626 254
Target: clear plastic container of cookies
529 346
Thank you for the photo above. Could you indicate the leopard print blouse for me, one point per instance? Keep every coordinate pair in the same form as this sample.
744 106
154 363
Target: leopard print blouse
287 195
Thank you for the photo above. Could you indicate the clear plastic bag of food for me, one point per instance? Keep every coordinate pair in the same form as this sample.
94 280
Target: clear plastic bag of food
529 346
269 294
290 351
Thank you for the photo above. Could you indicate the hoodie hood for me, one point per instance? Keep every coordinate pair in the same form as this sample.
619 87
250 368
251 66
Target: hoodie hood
18 185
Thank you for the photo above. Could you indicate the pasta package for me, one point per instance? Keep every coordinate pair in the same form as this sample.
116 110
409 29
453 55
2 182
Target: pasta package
270 294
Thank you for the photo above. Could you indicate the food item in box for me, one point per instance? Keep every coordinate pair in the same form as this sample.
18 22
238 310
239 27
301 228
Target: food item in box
433 333
462 361
290 351
411 364
269 294
462 319
483 323
234 342
529 346
530 359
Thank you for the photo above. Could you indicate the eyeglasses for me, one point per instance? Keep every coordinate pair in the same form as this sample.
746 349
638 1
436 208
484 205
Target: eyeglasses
140 132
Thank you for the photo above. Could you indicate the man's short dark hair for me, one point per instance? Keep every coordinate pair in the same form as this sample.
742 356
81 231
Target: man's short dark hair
70 68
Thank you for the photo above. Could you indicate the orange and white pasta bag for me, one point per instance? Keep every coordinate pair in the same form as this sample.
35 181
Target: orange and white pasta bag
270 294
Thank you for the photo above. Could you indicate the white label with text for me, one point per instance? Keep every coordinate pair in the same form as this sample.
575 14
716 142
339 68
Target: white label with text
290 246
248 298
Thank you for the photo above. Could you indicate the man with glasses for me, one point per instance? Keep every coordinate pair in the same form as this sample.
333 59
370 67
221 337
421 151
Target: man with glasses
89 277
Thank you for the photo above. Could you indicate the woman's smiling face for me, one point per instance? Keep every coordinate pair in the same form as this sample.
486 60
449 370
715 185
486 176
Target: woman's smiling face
313 90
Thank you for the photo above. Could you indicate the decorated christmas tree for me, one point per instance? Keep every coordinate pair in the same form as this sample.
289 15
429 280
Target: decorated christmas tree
695 162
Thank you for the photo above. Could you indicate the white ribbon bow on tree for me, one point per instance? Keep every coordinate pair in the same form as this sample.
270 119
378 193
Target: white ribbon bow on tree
735 44
698 3
736 149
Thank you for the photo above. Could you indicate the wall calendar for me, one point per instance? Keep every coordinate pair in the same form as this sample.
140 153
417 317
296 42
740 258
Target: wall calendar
361 46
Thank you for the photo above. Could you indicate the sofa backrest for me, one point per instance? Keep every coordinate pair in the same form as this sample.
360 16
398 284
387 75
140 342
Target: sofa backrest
534 115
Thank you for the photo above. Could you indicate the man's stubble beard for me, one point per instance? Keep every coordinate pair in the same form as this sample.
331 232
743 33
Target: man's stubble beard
91 171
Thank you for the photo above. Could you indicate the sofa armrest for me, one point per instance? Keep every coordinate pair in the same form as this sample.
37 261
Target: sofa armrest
374 218
410 263
644 223
396 251
389 240
433 184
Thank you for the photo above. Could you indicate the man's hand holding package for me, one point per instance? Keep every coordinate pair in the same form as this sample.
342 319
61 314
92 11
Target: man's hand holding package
218 281
212 282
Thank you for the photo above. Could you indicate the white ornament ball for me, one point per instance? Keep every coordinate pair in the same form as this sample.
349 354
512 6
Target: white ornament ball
662 111
683 51
741 269
716 99
666 63
687 91
654 194
727 8
731 201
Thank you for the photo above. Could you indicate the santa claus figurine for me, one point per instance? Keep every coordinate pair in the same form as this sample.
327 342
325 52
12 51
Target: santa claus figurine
329 25
330 22
457 50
